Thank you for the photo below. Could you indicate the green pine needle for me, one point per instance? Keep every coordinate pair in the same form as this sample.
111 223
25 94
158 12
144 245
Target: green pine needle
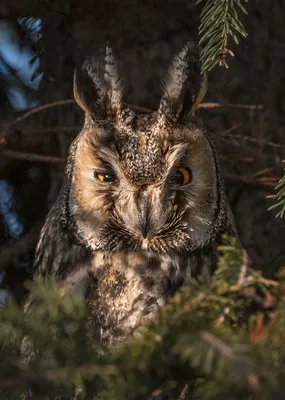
219 20
280 197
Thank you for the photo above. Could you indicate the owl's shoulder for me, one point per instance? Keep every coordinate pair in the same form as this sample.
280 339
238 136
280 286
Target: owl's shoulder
58 252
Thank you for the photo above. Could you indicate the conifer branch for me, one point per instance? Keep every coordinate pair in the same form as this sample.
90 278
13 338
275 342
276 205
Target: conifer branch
279 197
219 20
221 341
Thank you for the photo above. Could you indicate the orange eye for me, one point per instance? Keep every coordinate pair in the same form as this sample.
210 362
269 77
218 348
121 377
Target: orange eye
106 178
182 176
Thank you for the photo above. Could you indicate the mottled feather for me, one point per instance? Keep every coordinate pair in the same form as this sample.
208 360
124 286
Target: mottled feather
127 244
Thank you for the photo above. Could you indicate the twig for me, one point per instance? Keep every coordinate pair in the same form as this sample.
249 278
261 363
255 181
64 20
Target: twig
207 105
264 182
222 317
217 343
252 279
7 132
226 135
231 129
52 130
19 155
267 185
228 105
261 142
15 248
243 268
184 392
263 171
42 108
228 352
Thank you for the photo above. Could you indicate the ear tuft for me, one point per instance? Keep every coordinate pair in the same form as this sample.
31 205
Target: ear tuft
184 86
97 87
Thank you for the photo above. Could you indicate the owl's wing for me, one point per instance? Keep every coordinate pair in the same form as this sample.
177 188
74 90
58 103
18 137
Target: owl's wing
231 225
57 254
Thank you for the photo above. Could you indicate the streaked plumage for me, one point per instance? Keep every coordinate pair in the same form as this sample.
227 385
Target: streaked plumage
126 244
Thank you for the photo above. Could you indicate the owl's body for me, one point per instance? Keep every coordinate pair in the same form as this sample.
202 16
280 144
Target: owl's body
142 207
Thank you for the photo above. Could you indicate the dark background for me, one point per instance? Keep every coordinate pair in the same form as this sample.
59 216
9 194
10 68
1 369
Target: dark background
145 35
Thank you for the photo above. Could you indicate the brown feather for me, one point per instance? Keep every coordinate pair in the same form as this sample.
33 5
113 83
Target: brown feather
102 238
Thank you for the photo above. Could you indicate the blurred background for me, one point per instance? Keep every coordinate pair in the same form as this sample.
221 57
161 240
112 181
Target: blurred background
40 42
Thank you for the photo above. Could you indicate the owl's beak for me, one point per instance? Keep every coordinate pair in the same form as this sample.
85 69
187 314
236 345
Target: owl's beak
144 228
144 210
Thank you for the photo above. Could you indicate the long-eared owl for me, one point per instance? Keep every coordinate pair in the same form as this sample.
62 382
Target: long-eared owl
142 206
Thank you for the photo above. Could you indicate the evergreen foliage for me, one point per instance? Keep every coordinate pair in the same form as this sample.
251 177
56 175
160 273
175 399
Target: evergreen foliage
218 341
280 197
219 20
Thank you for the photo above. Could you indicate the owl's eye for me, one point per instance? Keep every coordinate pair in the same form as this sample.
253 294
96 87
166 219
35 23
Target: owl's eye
105 177
182 176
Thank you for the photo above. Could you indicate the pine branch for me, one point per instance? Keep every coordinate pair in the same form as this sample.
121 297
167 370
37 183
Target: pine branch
223 340
219 20
280 198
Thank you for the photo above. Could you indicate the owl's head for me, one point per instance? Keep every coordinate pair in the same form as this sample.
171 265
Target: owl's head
142 181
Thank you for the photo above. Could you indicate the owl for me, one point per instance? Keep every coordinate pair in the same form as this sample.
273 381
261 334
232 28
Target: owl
142 207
